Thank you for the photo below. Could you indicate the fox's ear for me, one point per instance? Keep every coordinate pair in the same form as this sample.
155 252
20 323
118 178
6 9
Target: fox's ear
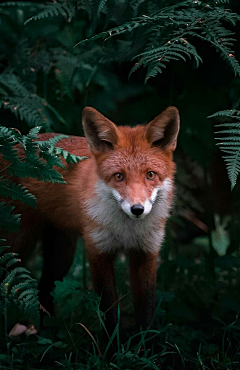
100 132
163 130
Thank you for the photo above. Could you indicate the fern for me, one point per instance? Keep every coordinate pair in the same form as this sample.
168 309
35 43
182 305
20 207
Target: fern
14 276
24 104
230 144
23 294
7 257
16 191
7 144
126 27
70 158
65 69
48 151
176 49
171 31
8 220
101 5
37 160
38 157
51 153
62 7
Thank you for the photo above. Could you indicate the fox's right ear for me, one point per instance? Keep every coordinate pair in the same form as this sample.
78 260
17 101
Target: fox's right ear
100 132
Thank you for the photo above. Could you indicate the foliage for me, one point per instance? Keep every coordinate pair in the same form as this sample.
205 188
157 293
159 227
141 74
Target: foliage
37 160
171 29
46 81
18 291
24 103
17 288
187 342
66 9
230 144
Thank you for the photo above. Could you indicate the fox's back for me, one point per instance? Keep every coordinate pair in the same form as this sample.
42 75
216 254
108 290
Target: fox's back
57 204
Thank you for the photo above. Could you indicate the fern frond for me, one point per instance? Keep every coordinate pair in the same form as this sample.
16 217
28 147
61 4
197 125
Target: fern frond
66 67
7 143
49 145
31 305
3 247
126 27
48 153
172 29
16 191
69 158
24 104
26 294
34 167
6 258
156 59
65 8
226 113
8 220
12 277
230 144
20 287
101 5
37 162
17 286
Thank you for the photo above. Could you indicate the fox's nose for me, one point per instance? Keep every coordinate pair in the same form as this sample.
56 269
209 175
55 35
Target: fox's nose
137 209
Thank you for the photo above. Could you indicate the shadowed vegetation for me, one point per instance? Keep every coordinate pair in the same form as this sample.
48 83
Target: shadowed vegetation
130 60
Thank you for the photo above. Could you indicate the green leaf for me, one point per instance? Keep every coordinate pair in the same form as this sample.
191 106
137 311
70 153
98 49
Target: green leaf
16 191
44 341
230 144
64 8
8 220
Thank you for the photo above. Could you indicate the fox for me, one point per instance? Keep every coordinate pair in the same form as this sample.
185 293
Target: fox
118 200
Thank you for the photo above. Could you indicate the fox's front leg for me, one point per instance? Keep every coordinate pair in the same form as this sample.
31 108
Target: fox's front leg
143 270
103 278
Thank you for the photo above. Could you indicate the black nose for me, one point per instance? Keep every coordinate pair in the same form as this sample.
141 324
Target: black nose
137 209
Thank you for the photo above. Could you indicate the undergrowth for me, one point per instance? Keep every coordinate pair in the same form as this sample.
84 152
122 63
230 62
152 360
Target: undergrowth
185 333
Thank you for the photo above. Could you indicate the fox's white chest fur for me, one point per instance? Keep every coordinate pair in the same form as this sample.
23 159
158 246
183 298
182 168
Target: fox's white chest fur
117 231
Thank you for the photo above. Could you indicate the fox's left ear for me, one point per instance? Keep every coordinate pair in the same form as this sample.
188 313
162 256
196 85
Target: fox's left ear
163 130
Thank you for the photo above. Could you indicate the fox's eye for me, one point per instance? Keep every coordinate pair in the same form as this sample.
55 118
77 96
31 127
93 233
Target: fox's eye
151 175
118 176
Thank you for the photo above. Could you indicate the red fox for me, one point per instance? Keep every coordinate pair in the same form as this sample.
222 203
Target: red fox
118 200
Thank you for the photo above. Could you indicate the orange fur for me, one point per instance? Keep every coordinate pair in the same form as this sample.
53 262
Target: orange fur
94 204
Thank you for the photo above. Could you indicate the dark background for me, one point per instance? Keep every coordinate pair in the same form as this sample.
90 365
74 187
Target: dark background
198 278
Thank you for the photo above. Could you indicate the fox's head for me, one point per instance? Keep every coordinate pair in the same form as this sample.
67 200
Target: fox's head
134 163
